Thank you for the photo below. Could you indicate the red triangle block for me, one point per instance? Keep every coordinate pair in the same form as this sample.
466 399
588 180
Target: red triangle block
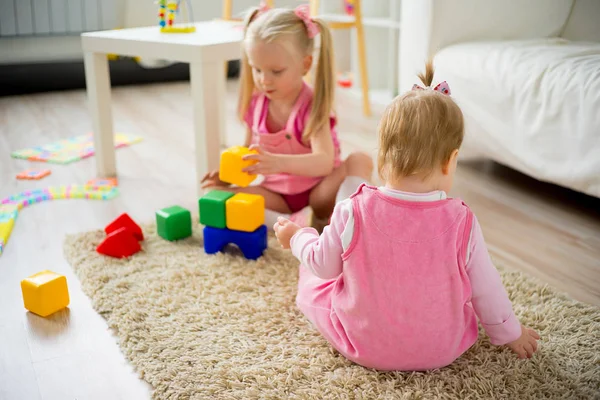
125 221
120 243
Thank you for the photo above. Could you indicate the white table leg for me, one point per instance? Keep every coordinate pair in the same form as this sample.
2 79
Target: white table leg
97 79
208 94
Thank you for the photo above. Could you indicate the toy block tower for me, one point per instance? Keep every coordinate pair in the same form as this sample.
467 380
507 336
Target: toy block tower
233 218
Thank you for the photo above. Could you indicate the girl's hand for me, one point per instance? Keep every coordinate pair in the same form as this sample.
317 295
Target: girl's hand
267 163
211 179
526 345
284 230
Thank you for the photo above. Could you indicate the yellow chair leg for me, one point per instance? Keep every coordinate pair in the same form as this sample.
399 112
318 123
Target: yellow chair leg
227 9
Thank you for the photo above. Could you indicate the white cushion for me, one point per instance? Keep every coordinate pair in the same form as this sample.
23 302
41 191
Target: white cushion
531 104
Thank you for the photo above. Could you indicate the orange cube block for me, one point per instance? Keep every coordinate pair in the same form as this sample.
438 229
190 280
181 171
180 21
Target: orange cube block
245 212
45 293
230 169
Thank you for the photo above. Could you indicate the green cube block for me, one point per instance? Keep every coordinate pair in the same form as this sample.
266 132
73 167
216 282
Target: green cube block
212 208
174 223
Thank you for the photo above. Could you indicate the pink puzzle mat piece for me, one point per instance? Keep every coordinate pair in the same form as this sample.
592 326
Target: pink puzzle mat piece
72 149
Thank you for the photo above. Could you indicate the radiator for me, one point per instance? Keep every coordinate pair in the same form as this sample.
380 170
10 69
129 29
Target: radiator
55 17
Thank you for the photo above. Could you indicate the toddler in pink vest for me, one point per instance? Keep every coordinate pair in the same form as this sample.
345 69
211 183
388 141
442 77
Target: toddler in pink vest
400 277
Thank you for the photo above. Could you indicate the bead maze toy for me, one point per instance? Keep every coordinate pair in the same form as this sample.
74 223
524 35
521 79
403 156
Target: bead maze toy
11 206
33 174
122 238
45 293
349 7
168 9
233 218
69 150
231 165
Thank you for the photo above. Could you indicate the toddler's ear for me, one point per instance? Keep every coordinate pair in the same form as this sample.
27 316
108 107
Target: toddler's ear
450 166
307 63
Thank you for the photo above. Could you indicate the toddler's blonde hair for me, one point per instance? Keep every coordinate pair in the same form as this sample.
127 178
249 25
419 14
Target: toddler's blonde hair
279 23
418 132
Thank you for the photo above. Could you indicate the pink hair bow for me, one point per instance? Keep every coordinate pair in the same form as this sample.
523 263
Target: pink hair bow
303 12
263 7
441 87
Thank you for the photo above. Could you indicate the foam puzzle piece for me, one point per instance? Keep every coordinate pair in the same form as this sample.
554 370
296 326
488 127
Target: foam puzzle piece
119 244
102 183
252 244
231 165
174 223
125 221
245 212
45 293
212 208
34 174
71 149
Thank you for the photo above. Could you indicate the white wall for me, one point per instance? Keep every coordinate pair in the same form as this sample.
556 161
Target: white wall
130 13
31 49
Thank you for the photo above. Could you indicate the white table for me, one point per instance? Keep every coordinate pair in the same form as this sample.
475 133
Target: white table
206 50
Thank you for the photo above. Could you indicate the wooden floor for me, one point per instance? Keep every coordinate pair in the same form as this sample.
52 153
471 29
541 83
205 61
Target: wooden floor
547 231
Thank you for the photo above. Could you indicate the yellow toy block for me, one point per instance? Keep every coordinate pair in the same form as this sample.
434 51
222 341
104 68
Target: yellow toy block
230 169
45 293
245 212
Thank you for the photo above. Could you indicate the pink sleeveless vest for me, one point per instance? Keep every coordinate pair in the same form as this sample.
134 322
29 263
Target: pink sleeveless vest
286 142
403 300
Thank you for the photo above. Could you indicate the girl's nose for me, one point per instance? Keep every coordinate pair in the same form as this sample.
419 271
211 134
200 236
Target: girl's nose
265 79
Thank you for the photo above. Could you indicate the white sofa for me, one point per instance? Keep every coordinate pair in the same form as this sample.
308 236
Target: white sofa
526 75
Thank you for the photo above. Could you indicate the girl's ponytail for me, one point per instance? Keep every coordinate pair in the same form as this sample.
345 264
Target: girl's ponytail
246 80
324 88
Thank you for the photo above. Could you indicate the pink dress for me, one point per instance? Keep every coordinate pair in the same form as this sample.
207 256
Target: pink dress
406 291
287 141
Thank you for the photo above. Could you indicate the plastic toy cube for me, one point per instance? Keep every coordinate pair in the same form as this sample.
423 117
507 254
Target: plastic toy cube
230 169
252 244
212 208
45 293
174 223
245 212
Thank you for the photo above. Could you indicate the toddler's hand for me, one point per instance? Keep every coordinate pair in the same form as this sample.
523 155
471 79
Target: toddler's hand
526 345
284 230
266 163
211 179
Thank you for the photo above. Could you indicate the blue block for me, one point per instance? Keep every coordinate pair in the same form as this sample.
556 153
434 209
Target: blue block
252 244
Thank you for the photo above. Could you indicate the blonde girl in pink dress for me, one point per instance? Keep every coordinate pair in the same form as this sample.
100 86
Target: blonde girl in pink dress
402 275
292 125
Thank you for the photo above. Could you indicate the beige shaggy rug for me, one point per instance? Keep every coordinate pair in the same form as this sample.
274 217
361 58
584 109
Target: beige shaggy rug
220 327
